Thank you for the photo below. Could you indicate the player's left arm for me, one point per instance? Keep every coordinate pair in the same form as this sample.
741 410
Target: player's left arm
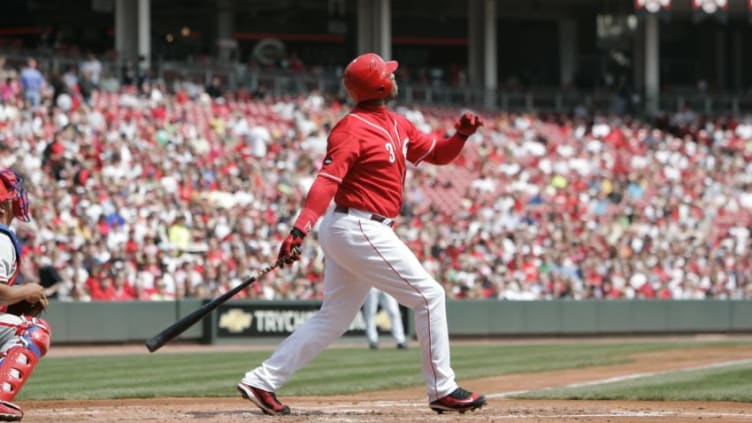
423 147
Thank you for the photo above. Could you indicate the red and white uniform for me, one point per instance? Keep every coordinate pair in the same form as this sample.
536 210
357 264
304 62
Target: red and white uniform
23 339
366 162
9 262
364 170
369 151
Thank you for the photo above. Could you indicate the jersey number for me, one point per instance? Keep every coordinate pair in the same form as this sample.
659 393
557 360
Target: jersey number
390 149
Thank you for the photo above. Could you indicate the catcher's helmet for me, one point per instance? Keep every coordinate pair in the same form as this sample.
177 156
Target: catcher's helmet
368 77
11 187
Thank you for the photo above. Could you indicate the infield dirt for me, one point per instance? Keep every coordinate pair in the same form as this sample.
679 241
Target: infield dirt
410 405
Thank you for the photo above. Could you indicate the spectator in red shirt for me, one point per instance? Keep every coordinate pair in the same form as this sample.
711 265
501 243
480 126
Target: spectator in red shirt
104 290
122 288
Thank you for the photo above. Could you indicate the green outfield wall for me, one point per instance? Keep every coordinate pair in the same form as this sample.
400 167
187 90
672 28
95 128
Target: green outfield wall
267 321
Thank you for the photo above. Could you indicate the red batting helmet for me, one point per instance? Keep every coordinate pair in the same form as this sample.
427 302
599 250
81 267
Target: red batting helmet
368 77
11 187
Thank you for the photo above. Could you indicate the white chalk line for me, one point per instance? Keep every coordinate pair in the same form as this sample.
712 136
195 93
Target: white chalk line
610 413
368 411
623 378
613 413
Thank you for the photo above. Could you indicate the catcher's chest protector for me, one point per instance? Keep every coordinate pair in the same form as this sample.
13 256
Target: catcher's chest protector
17 246
12 279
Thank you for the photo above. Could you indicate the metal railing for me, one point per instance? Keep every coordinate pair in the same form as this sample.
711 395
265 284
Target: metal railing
284 82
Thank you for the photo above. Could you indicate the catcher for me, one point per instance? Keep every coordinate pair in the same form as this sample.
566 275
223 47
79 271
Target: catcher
24 337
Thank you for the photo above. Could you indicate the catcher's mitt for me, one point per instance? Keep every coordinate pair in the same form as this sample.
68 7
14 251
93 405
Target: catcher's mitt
25 308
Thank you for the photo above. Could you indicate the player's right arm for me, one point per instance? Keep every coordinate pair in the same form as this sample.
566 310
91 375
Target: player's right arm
342 151
31 292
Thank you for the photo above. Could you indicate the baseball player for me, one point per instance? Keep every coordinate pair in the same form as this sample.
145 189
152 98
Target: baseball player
23 339
375 298
364 172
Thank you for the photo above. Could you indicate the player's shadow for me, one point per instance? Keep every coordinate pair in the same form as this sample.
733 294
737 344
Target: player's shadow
201 415
302 413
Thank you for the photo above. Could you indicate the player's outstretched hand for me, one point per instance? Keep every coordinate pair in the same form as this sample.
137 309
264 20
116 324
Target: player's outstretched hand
289 252
468 123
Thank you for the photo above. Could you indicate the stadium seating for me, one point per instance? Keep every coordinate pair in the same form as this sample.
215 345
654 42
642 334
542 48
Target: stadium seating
150 194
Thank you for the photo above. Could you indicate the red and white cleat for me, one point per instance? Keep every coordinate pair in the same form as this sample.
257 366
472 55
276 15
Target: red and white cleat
264 400
460 401
10 412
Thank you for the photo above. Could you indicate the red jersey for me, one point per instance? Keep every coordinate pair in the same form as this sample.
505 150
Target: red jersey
367 154
366 162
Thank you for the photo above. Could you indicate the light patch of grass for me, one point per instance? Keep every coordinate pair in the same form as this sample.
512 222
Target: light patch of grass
732 383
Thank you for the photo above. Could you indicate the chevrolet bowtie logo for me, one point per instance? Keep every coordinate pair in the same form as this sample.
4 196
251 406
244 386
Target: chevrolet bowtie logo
383 321
235 320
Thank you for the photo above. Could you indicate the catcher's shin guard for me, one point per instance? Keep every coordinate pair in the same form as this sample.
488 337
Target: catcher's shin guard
20 359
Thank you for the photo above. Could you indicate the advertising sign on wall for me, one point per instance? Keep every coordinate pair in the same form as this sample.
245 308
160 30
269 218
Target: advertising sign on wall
279 320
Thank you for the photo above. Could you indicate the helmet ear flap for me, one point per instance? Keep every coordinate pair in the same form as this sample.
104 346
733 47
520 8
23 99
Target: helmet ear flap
21 207
386 87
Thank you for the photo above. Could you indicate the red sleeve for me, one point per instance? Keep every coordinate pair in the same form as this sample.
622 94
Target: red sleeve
426 147
446 150
342 151
319 196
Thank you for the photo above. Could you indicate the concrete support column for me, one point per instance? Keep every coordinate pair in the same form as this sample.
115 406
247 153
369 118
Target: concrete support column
375 27
144 32
475 48
383 28
482 61
225 28
638 58
126 41
365 27
720 58
567 51
652 64
738 58
491 73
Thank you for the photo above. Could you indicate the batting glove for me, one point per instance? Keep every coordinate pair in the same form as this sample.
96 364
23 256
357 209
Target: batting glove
289 252
468 124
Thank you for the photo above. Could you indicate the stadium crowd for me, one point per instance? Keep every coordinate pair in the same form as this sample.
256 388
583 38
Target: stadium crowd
153 192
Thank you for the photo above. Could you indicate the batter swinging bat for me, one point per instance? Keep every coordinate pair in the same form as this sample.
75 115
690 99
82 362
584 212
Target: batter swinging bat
157 341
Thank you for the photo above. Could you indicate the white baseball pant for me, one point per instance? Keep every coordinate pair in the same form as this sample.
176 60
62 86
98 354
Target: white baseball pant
361 253
374 298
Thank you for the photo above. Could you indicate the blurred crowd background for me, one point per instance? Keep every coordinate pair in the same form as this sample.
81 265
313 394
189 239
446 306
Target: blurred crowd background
144 191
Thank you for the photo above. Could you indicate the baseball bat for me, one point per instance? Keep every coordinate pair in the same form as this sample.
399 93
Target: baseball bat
157 341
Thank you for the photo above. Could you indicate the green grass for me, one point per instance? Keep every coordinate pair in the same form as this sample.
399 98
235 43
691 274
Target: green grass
335 371
733 383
